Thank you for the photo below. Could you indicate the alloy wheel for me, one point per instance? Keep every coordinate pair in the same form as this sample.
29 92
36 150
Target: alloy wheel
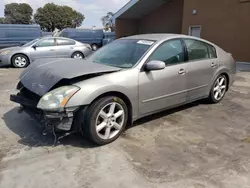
20 61
110 120
77 56
219 88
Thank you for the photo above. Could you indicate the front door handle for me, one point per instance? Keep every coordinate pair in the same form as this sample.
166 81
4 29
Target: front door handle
182 72
213 65
51 50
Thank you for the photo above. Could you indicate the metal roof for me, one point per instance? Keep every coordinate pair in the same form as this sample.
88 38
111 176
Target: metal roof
136 9
156 36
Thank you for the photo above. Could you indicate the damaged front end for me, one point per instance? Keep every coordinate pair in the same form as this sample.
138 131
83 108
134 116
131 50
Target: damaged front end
50 121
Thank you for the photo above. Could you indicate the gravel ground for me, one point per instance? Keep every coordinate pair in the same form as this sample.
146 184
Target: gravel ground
195 146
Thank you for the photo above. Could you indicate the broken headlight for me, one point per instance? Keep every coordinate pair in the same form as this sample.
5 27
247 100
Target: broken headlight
57 98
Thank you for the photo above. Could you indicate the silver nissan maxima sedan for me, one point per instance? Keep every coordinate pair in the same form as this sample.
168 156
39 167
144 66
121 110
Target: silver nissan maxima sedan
128 79
45 47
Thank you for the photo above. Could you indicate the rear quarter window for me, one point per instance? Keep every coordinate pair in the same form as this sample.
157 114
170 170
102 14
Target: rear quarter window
65 42
212 51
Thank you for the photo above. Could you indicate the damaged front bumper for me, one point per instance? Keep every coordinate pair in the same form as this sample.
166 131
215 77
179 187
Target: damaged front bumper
48 120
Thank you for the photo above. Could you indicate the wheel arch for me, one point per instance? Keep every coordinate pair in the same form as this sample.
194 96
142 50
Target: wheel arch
228 79
77 51
222 72
20 53
124 97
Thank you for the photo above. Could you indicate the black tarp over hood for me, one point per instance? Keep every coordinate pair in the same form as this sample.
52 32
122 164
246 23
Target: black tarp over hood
43 74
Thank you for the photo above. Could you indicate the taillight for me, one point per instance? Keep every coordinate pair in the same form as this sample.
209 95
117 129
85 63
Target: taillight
232 56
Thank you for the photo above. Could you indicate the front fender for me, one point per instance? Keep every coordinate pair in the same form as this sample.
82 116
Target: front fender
86 97
125 82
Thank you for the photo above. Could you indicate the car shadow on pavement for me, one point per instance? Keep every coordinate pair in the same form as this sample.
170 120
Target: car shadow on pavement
6 66
30 134
167 112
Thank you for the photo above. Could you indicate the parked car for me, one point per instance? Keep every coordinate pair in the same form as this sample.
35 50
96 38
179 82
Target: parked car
92 37
108 38
46 47
18 34
123 81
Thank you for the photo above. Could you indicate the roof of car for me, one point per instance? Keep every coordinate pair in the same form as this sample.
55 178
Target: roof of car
156 37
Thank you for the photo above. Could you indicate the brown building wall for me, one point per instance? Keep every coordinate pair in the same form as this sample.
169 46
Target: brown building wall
126 27
224 22
166 19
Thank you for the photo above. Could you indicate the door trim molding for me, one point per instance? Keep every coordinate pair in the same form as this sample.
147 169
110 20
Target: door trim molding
199 87
164 96
172 94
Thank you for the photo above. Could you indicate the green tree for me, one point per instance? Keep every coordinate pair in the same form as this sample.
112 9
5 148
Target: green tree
18 13
2 20
107 22
53 16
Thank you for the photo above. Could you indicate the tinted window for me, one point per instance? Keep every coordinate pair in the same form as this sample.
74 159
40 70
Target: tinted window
15 33
47 42
196 49
170 52
63 42
212 51
122 53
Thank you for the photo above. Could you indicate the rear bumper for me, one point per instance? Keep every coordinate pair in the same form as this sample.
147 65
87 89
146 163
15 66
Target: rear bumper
58 120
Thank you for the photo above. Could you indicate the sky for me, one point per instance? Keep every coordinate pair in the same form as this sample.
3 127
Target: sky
93 10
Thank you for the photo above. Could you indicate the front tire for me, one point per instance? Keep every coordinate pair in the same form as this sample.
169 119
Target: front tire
105 120
218 89
20 61
77 55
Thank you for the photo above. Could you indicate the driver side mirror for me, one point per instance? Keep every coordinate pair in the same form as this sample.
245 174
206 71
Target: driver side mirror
155 65
34 46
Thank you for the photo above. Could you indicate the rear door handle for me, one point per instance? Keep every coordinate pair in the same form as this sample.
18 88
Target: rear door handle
51 50
213 65
182 71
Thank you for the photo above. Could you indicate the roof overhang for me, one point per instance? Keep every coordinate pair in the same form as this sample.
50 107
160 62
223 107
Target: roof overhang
136 9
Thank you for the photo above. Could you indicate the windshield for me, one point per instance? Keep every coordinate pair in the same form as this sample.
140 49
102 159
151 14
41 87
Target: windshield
123 53
31 42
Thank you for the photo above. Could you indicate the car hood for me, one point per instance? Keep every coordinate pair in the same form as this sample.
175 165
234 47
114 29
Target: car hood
11 48
43 74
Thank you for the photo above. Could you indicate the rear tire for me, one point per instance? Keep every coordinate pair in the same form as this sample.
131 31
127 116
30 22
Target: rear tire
94 47
105 120
20 61
218 89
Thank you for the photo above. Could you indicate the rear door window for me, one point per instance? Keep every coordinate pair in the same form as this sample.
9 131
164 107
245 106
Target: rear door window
65 42
197 50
